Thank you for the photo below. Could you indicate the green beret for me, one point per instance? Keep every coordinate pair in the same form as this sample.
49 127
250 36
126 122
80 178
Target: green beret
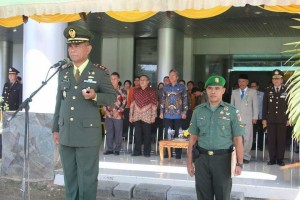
215 81
77 34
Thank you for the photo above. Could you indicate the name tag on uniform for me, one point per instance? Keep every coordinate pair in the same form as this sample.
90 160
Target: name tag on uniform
89 81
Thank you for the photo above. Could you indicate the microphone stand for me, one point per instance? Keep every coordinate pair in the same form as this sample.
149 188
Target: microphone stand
25 105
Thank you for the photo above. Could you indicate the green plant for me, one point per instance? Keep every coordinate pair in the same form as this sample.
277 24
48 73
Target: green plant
293 89
3 106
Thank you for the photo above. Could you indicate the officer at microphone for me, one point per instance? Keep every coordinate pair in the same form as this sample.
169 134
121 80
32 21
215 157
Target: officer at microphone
82 88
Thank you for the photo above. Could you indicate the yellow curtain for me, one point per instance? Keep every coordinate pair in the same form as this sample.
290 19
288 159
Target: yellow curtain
288 9
55 18
11 21
130 16
203 13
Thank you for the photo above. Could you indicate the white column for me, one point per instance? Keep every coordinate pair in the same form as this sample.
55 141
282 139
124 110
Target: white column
4 63
166 51
188 59
44 45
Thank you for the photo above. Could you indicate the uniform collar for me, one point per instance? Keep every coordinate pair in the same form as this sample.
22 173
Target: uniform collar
81 67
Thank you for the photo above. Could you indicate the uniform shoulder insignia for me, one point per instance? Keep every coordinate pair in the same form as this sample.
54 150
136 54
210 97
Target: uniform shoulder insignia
103 68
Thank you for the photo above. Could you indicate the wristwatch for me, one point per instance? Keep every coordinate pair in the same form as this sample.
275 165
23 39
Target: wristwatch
239 165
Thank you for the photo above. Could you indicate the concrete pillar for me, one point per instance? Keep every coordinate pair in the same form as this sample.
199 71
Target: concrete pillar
5 62
44 45
166 51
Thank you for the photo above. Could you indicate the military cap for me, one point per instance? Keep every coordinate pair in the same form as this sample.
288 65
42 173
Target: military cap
77 34
12 70
215 81
243 76
277 73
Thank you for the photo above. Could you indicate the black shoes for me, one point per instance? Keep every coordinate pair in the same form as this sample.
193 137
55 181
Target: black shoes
117 153
108 152
272 162
147 155
280 163
246 161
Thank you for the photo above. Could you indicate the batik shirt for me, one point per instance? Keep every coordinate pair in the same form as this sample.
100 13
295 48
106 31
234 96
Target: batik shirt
174 101
116 109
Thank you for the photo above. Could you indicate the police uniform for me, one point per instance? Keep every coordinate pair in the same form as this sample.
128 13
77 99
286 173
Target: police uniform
78 121
274 112
12 92
215 128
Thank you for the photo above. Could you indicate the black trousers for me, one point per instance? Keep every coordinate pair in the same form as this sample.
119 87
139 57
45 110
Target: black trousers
142 133
174 124
213 177
276 140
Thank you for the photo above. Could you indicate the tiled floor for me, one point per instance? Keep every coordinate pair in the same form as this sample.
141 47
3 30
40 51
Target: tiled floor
258 180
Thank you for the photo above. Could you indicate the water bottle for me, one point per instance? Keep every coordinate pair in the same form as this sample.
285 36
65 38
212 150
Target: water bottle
180 133
169 133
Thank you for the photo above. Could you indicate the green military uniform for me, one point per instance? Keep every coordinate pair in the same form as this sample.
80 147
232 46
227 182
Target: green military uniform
215 128
79 124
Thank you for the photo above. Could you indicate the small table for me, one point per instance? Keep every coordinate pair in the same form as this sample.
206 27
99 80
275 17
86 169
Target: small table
175 143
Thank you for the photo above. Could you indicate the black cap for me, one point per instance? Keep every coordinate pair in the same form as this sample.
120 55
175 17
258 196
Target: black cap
77 34
12 70
277 73
243 76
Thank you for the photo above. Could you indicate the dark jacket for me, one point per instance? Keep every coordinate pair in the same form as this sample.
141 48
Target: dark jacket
275 106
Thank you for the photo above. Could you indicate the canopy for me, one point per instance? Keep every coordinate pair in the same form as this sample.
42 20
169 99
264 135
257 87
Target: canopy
15 12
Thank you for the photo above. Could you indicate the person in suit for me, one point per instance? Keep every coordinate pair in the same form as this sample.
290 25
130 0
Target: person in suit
173 106
13 90
246 101
82 88
275 118
258 126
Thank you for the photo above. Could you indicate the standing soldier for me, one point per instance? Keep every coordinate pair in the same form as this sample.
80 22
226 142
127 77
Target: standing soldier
82 88
216 127
275 118
12 90
246 101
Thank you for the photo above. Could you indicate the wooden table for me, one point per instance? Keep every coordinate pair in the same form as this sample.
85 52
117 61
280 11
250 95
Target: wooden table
182 143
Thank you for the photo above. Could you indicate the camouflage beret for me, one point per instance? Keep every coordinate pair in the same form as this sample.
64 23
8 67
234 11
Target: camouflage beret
215 81
77 34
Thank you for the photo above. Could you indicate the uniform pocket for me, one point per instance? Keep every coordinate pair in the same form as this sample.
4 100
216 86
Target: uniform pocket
202 125
61 122
224 126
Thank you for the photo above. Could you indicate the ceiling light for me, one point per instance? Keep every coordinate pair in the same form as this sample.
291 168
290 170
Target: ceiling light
125 27
257 13
265 23
204 35
15 30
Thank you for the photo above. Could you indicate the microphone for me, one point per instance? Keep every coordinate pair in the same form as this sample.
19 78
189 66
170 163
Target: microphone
61 63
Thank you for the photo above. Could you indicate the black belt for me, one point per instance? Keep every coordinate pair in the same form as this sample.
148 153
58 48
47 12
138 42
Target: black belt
214 152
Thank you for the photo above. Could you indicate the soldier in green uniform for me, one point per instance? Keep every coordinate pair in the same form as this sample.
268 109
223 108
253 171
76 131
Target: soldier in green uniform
82 88
216 126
